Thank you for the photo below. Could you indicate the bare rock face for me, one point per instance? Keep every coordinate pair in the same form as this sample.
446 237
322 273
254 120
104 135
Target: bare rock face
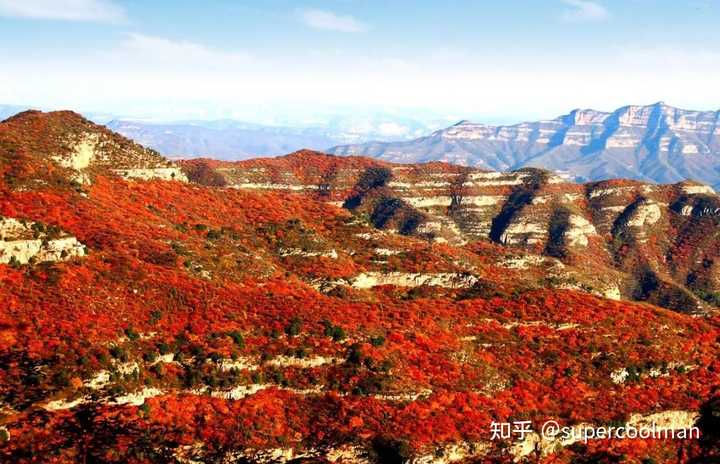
646 213
168 173
523 232
650 241
374 279
22 242
578 231
651 143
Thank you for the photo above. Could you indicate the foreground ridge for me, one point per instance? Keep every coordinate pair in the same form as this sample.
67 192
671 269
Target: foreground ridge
329 309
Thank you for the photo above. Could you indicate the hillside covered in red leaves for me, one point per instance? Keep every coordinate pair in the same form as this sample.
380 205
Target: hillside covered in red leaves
144 318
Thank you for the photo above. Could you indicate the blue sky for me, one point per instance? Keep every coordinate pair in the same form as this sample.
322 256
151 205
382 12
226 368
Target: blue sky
293 60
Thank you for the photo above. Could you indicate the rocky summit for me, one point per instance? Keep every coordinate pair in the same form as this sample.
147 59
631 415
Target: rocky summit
655 143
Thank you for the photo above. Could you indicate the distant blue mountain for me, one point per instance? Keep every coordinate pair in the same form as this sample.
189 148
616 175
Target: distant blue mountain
656 143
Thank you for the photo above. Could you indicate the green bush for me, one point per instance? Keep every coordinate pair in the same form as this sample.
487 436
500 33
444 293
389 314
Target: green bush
294 327
237 338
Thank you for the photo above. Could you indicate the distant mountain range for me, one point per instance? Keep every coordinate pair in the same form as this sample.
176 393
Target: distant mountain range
232 140
236 140
656 143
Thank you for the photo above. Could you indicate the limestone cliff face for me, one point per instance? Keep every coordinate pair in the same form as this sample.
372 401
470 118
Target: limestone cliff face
22 242
652 143
654 240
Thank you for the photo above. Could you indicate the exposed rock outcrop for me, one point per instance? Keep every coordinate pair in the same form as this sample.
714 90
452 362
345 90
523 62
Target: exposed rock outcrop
22 242
171 173
400 279
618 227
368 280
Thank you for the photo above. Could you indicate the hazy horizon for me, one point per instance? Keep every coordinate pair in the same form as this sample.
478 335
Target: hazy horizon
290 63
318 119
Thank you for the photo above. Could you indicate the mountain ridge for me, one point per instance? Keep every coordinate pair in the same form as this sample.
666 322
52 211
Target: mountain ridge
61 142
318 308
236 140
629 230
657 143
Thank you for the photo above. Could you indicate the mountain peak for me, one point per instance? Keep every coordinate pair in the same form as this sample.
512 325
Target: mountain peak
58 141
63 120
586 144
307 153
309 161
584 116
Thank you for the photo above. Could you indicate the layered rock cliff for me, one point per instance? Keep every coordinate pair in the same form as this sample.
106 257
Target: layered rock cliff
656 143
23 242
648 242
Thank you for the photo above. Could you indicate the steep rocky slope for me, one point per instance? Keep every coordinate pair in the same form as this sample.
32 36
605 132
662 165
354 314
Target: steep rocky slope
622 238
246 316
62 151
62 146
655 143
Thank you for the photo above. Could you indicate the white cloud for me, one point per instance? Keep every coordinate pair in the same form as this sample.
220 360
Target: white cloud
584 11
64 10
148 74
156 52
392 129
321 19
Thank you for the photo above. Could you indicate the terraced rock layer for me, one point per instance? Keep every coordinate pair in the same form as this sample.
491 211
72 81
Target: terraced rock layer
654 242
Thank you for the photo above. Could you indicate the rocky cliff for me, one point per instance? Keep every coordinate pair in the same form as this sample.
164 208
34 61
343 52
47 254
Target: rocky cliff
23 242
655 143
622 237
